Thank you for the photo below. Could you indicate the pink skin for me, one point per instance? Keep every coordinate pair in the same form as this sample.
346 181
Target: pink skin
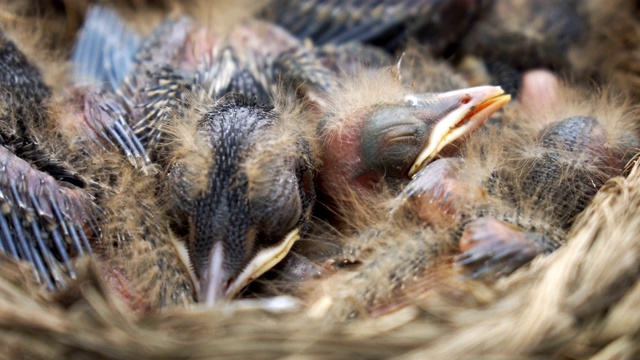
75 203
490 246
439 192
539 89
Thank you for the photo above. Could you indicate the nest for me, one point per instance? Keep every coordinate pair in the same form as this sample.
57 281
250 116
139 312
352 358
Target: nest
580 301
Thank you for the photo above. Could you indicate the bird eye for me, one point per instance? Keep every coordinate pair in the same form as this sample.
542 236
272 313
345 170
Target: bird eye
391 140
276 206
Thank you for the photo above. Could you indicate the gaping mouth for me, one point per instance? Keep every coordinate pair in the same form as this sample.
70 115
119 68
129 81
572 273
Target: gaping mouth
480 103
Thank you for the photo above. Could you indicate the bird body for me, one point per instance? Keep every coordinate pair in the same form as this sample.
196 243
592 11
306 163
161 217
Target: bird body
235 172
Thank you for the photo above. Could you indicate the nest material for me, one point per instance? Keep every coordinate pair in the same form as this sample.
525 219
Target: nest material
580 301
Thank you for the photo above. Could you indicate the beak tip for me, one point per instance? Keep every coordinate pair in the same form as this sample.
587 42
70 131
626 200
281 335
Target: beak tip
213 281
487 100
414 168
218 285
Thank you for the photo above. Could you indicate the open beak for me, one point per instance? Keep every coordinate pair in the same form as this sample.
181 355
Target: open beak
218 285
477 104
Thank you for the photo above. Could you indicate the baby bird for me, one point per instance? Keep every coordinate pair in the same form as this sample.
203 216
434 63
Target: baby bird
236 167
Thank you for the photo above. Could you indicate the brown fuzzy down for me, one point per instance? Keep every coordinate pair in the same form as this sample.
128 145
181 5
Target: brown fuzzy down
423 74
353 209
383 260
44 40
514 154
360 94
615 110
10 121
382 268
282 143
189 146
136 252
136 248
516 150
222 15
301 112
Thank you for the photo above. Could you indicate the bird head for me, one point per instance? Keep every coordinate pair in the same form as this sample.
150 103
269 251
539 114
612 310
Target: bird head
243 189
393 140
